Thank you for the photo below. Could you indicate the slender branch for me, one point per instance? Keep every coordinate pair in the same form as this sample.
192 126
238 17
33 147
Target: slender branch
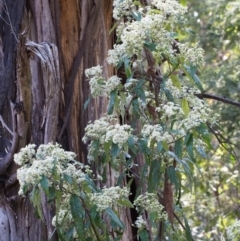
7 160
218 98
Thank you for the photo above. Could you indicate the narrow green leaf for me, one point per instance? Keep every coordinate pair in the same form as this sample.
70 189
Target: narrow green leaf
185 107
67 178
78 214
143 234
190 71
165 145
114 218
201 151
188 230
151 46
107 146
143 146
113 28
86 103
127 68
154 175
125 202
91 183
35 197
45 184
178 148
203 131
175 81
131 144
111 103
137 15
168 94
189 145
115 150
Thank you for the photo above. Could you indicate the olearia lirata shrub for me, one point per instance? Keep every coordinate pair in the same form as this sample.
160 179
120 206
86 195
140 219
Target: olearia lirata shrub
155 93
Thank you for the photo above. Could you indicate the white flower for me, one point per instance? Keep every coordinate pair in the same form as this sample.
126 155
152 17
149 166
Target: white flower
140 222
109 197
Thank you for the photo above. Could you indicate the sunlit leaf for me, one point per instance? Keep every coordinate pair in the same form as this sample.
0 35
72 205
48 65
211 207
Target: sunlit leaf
185 107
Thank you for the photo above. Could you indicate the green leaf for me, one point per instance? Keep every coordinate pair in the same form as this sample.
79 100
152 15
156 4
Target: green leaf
91 183
127 68
143 234
154 175
165 145
159 146
185 107
189 145
168 94
113 28
140 93
131 144
178 148
151 46
190 71
78 214
201 151
107 146
143 146
203 131
115 150
114 218
86 103
111 103
137 15
69 234
67 178
35 197
188 230
45 184
175 81
125 202
183 2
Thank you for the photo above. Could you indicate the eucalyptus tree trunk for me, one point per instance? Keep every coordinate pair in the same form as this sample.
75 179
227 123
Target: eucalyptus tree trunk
44 49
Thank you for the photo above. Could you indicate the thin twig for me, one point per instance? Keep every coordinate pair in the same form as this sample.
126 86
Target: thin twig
218 98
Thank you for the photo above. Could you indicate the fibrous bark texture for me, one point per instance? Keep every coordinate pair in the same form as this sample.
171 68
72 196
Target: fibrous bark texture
44 49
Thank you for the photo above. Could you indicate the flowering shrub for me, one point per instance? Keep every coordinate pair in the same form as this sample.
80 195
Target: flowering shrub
155 94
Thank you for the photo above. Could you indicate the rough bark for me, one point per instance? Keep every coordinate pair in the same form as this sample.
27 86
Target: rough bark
45 47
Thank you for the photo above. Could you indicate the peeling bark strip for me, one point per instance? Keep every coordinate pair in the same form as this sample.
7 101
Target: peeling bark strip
48 53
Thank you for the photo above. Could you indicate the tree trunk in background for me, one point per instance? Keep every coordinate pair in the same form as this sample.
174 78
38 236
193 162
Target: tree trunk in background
45 48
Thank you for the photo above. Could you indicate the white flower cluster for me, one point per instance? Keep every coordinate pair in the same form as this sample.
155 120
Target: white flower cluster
233 231
26 155
121 8
170 109
170 8
194 55
199 111
151 26
156 133
105 130
140 223
109 197
98 85
48 159
150 203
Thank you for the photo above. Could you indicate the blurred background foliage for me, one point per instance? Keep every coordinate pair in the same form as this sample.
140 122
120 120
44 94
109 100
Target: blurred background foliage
215 201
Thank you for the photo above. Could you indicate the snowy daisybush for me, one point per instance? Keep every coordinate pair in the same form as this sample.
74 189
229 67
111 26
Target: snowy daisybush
155 94
154 111
69 186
